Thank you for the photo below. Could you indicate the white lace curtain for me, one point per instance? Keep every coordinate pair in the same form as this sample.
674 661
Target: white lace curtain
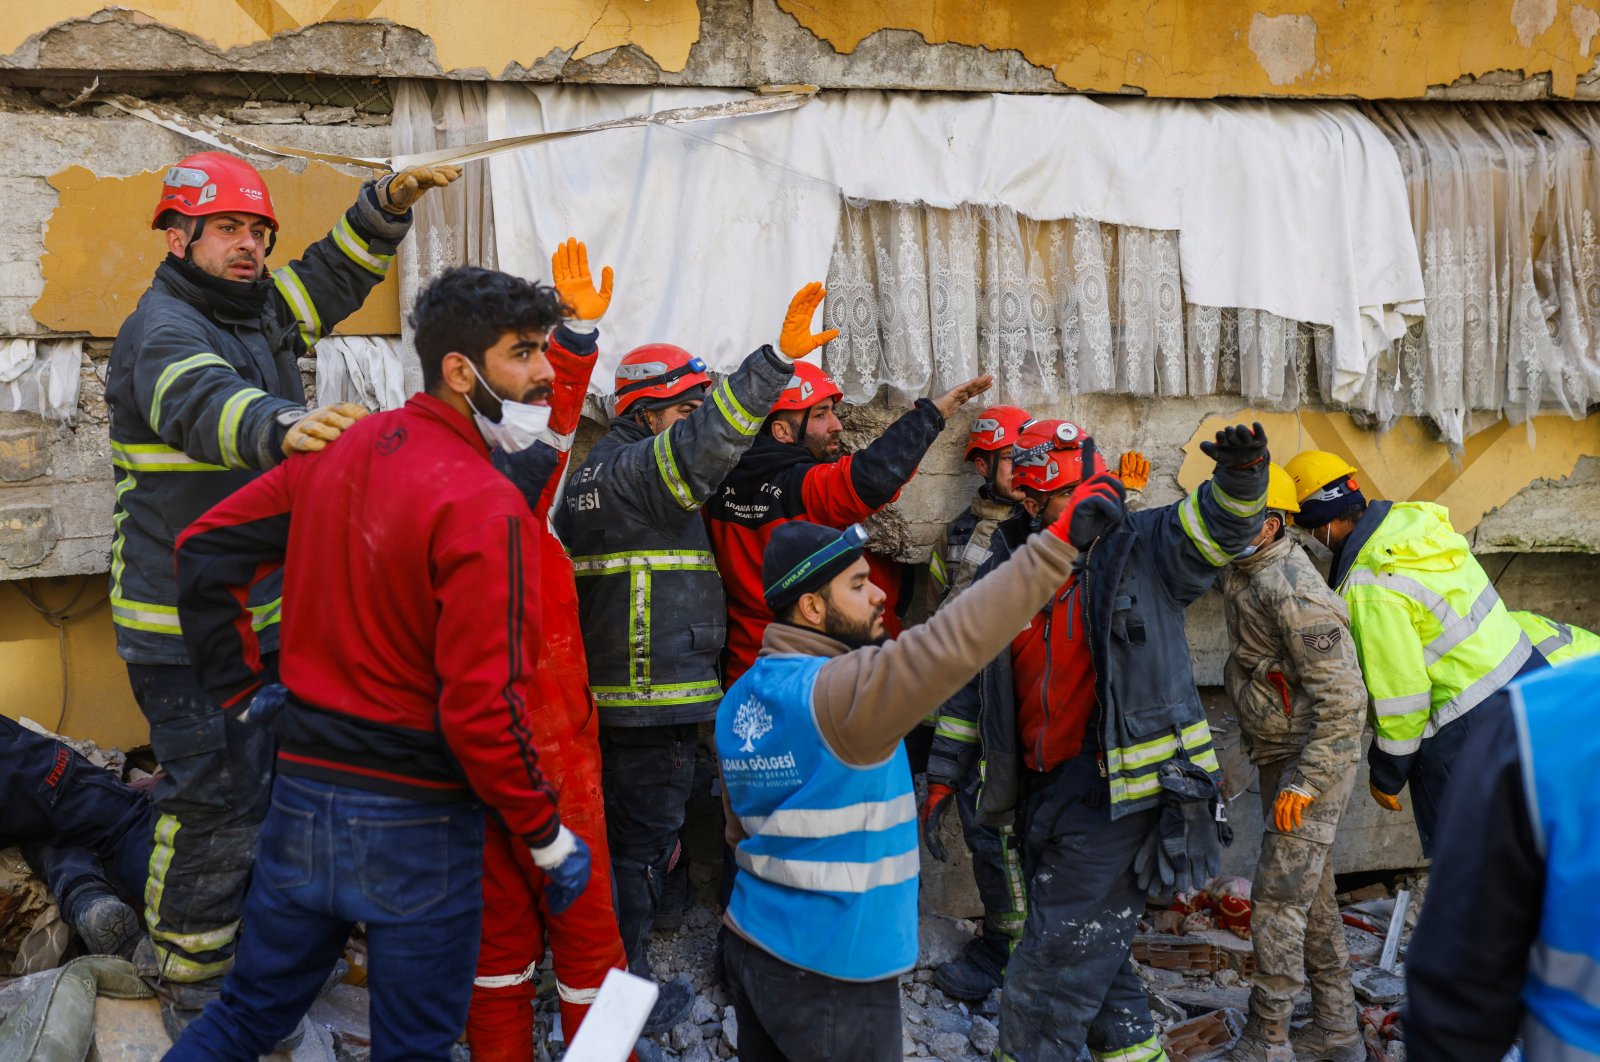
1503 202
925 298
454 226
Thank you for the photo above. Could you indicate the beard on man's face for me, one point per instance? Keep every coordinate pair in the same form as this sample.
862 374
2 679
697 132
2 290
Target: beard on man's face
854 633
487 402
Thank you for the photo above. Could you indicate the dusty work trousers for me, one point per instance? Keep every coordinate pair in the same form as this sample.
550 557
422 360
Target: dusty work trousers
997 869
583 940
1295 922
209 807
1071 981
647 773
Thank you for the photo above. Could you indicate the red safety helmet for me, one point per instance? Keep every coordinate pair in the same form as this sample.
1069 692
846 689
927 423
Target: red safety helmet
214 182
809 386
657 370
997 428
1049 457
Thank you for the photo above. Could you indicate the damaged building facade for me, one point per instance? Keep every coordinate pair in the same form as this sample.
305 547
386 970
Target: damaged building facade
1461 374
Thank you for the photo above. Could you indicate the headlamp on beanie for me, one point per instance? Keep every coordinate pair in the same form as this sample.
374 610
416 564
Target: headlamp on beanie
804 557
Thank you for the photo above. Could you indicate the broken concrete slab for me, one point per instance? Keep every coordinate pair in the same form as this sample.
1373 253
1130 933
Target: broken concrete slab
1379 986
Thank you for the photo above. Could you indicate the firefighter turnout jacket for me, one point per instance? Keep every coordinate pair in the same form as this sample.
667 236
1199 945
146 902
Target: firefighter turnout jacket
649 596
1136 580
1434 638
202 387
963 546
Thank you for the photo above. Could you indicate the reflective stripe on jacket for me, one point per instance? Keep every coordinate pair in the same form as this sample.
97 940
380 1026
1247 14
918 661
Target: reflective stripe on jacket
1557 642
649 597
1137 580
829 863
202 386
1432 634
1562 990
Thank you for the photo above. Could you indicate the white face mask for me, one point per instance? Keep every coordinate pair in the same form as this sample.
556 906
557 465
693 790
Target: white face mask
519 426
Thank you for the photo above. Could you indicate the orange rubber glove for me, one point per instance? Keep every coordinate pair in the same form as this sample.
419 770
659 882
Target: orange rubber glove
1291 805
569 267
1134 470
1385 800
320 427
796 340
932 814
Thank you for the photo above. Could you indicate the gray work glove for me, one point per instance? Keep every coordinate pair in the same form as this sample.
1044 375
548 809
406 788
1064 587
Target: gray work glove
1184 851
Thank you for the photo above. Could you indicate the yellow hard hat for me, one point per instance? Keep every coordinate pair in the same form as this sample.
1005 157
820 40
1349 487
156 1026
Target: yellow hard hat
1312 470
1280 490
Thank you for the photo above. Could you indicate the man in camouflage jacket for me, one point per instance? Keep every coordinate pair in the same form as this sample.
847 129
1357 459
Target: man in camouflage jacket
1297 688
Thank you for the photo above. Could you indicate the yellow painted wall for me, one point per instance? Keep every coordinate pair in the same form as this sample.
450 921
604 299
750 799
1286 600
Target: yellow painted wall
467 34
94 293
100 705
1186 48
1406 464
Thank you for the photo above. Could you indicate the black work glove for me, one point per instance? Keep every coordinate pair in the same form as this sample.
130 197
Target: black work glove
1097 504
1183 852
1241 456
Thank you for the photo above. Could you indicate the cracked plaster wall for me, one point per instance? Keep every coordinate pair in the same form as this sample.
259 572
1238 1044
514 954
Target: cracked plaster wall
1505 49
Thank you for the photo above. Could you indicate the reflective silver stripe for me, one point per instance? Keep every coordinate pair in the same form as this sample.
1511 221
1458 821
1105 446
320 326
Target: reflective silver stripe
130 614
580 996
507 980
1481 690
1557 641
617 562
1540 1042
1460 630
673 693
1387 707
975 554
819 876
1569 971
833 822
1397 746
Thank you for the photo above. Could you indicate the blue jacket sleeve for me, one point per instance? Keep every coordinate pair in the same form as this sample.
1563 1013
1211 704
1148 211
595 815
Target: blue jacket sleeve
1206 530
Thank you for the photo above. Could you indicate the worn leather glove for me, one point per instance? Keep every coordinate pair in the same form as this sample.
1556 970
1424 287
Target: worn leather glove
569 268
1134 470
1190 792
398 192
796 340
934 808
1290 806
565 862
1238 447
265 704
1387 801
320 427
1151 869
1097 504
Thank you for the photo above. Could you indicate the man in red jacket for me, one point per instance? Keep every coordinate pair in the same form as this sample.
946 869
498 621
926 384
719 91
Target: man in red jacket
797 470
413 629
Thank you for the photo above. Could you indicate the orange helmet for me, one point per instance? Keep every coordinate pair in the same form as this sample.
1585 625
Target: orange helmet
657 370
1048 457
996 428
214 182
809 386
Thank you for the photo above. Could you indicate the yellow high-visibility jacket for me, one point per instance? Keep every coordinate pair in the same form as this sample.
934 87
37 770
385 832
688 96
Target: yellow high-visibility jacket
1559 642
1433 637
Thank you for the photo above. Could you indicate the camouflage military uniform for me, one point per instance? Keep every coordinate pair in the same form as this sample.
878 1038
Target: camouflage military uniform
1294 680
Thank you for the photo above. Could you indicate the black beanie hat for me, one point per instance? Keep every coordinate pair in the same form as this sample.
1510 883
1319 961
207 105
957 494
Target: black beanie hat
1322 506
802 557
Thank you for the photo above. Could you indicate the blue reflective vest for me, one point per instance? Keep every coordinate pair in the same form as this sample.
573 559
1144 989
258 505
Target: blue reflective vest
1559 752
828 877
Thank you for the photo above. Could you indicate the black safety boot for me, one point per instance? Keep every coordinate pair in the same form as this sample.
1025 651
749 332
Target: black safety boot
672 1006
105 924
979 971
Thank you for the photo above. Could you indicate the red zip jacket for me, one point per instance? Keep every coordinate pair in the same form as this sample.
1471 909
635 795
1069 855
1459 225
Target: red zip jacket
415 612
776 482
1053 673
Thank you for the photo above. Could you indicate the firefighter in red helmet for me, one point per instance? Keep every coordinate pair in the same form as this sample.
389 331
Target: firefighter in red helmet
204 392
651 603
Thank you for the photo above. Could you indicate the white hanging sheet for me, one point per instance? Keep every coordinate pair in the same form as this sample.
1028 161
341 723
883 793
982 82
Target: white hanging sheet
1295 209
367 370
41 376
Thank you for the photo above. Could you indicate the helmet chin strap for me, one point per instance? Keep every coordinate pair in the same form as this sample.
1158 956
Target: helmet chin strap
200 226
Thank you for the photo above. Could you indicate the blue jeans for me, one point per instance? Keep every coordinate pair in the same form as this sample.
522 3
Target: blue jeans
331 856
